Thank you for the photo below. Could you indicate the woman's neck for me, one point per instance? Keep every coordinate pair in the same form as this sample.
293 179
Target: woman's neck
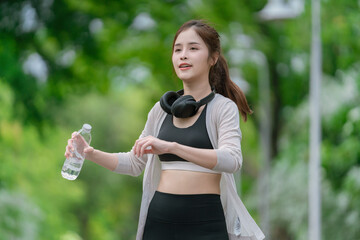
198 91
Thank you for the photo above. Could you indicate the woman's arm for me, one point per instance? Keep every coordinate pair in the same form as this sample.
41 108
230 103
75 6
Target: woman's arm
104 159
229 155
204 157
151 145
123 162
226 158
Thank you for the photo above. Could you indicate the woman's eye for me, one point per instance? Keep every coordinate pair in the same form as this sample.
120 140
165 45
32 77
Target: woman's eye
177 50
193 48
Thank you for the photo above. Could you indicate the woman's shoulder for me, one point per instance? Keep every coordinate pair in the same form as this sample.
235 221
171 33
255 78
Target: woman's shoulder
221 108
156 110
156 107
222 103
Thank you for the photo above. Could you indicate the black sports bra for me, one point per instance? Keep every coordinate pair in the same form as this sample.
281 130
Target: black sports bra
194 136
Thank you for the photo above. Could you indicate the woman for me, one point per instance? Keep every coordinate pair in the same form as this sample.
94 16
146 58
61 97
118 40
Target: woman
190 193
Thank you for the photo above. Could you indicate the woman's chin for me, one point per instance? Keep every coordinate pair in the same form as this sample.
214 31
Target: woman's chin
186 78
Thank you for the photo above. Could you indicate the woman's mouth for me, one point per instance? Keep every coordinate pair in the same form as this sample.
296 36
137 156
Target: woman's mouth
185 66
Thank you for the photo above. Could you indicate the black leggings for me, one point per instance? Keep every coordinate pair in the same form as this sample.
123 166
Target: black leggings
185 217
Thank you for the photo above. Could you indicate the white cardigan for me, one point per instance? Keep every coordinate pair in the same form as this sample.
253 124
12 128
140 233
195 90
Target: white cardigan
222 123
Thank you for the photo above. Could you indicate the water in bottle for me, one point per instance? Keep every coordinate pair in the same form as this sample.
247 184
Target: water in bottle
72 165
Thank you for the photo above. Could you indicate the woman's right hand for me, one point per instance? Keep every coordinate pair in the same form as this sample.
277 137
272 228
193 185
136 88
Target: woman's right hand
70 148
85 148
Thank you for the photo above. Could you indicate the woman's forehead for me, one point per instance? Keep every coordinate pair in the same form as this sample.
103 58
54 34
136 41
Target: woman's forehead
188 36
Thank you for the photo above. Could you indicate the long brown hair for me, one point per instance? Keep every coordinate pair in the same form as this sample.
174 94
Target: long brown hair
219 76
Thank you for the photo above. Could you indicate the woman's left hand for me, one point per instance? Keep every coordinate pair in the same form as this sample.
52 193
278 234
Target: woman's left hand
151 145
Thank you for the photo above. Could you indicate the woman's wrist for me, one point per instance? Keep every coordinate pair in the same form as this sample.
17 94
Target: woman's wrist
89 154
107 160
173 148
195 155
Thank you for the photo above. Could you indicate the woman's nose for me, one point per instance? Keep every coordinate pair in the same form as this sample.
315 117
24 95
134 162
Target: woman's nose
183 55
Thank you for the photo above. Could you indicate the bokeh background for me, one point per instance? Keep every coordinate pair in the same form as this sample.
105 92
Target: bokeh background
66 62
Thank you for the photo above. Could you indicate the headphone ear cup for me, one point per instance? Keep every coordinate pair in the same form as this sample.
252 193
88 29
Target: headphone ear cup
167 100
184 106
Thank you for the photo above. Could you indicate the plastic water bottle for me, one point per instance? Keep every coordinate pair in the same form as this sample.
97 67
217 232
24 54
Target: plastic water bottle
72 165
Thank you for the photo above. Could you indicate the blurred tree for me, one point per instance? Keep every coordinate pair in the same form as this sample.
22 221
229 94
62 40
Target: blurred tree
65 62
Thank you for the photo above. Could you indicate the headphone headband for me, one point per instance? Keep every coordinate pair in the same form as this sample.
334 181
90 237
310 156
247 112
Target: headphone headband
207 99
183 106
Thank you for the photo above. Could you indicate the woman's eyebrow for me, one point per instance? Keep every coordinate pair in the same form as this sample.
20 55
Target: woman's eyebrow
190 43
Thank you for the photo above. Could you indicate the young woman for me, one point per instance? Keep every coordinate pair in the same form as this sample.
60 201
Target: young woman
190 148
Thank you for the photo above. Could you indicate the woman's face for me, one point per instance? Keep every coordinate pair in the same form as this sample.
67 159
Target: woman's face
191 57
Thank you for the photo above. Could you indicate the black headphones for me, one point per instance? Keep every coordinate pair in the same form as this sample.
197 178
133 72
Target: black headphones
183 106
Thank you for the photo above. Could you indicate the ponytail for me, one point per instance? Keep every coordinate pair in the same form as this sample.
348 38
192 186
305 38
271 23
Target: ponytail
219 78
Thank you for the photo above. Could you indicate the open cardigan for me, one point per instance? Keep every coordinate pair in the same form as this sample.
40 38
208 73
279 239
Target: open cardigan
222 123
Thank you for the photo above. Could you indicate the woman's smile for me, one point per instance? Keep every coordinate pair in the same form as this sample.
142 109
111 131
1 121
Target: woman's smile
185 66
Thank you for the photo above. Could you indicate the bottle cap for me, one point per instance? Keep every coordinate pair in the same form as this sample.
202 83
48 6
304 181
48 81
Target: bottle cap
87 127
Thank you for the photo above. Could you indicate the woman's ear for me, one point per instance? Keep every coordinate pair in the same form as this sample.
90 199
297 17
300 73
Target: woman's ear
214 58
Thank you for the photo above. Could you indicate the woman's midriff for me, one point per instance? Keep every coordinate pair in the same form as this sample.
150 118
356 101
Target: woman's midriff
189 182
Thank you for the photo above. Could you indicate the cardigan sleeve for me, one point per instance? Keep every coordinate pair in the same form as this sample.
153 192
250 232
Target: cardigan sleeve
128 162
229 156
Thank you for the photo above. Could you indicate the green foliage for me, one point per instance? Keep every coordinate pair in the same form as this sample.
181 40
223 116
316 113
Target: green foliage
105 66
20 217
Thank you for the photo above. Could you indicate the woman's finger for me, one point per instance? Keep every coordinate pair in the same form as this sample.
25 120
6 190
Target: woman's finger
138 145
148 151
135 147
145 146
70 144
69 151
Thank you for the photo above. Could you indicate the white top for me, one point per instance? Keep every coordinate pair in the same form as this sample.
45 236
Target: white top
187 166
222 123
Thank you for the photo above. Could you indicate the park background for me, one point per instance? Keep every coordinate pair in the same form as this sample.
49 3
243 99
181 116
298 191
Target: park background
66 62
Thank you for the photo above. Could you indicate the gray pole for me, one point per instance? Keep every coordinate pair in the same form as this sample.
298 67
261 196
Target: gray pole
315 125
265 140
